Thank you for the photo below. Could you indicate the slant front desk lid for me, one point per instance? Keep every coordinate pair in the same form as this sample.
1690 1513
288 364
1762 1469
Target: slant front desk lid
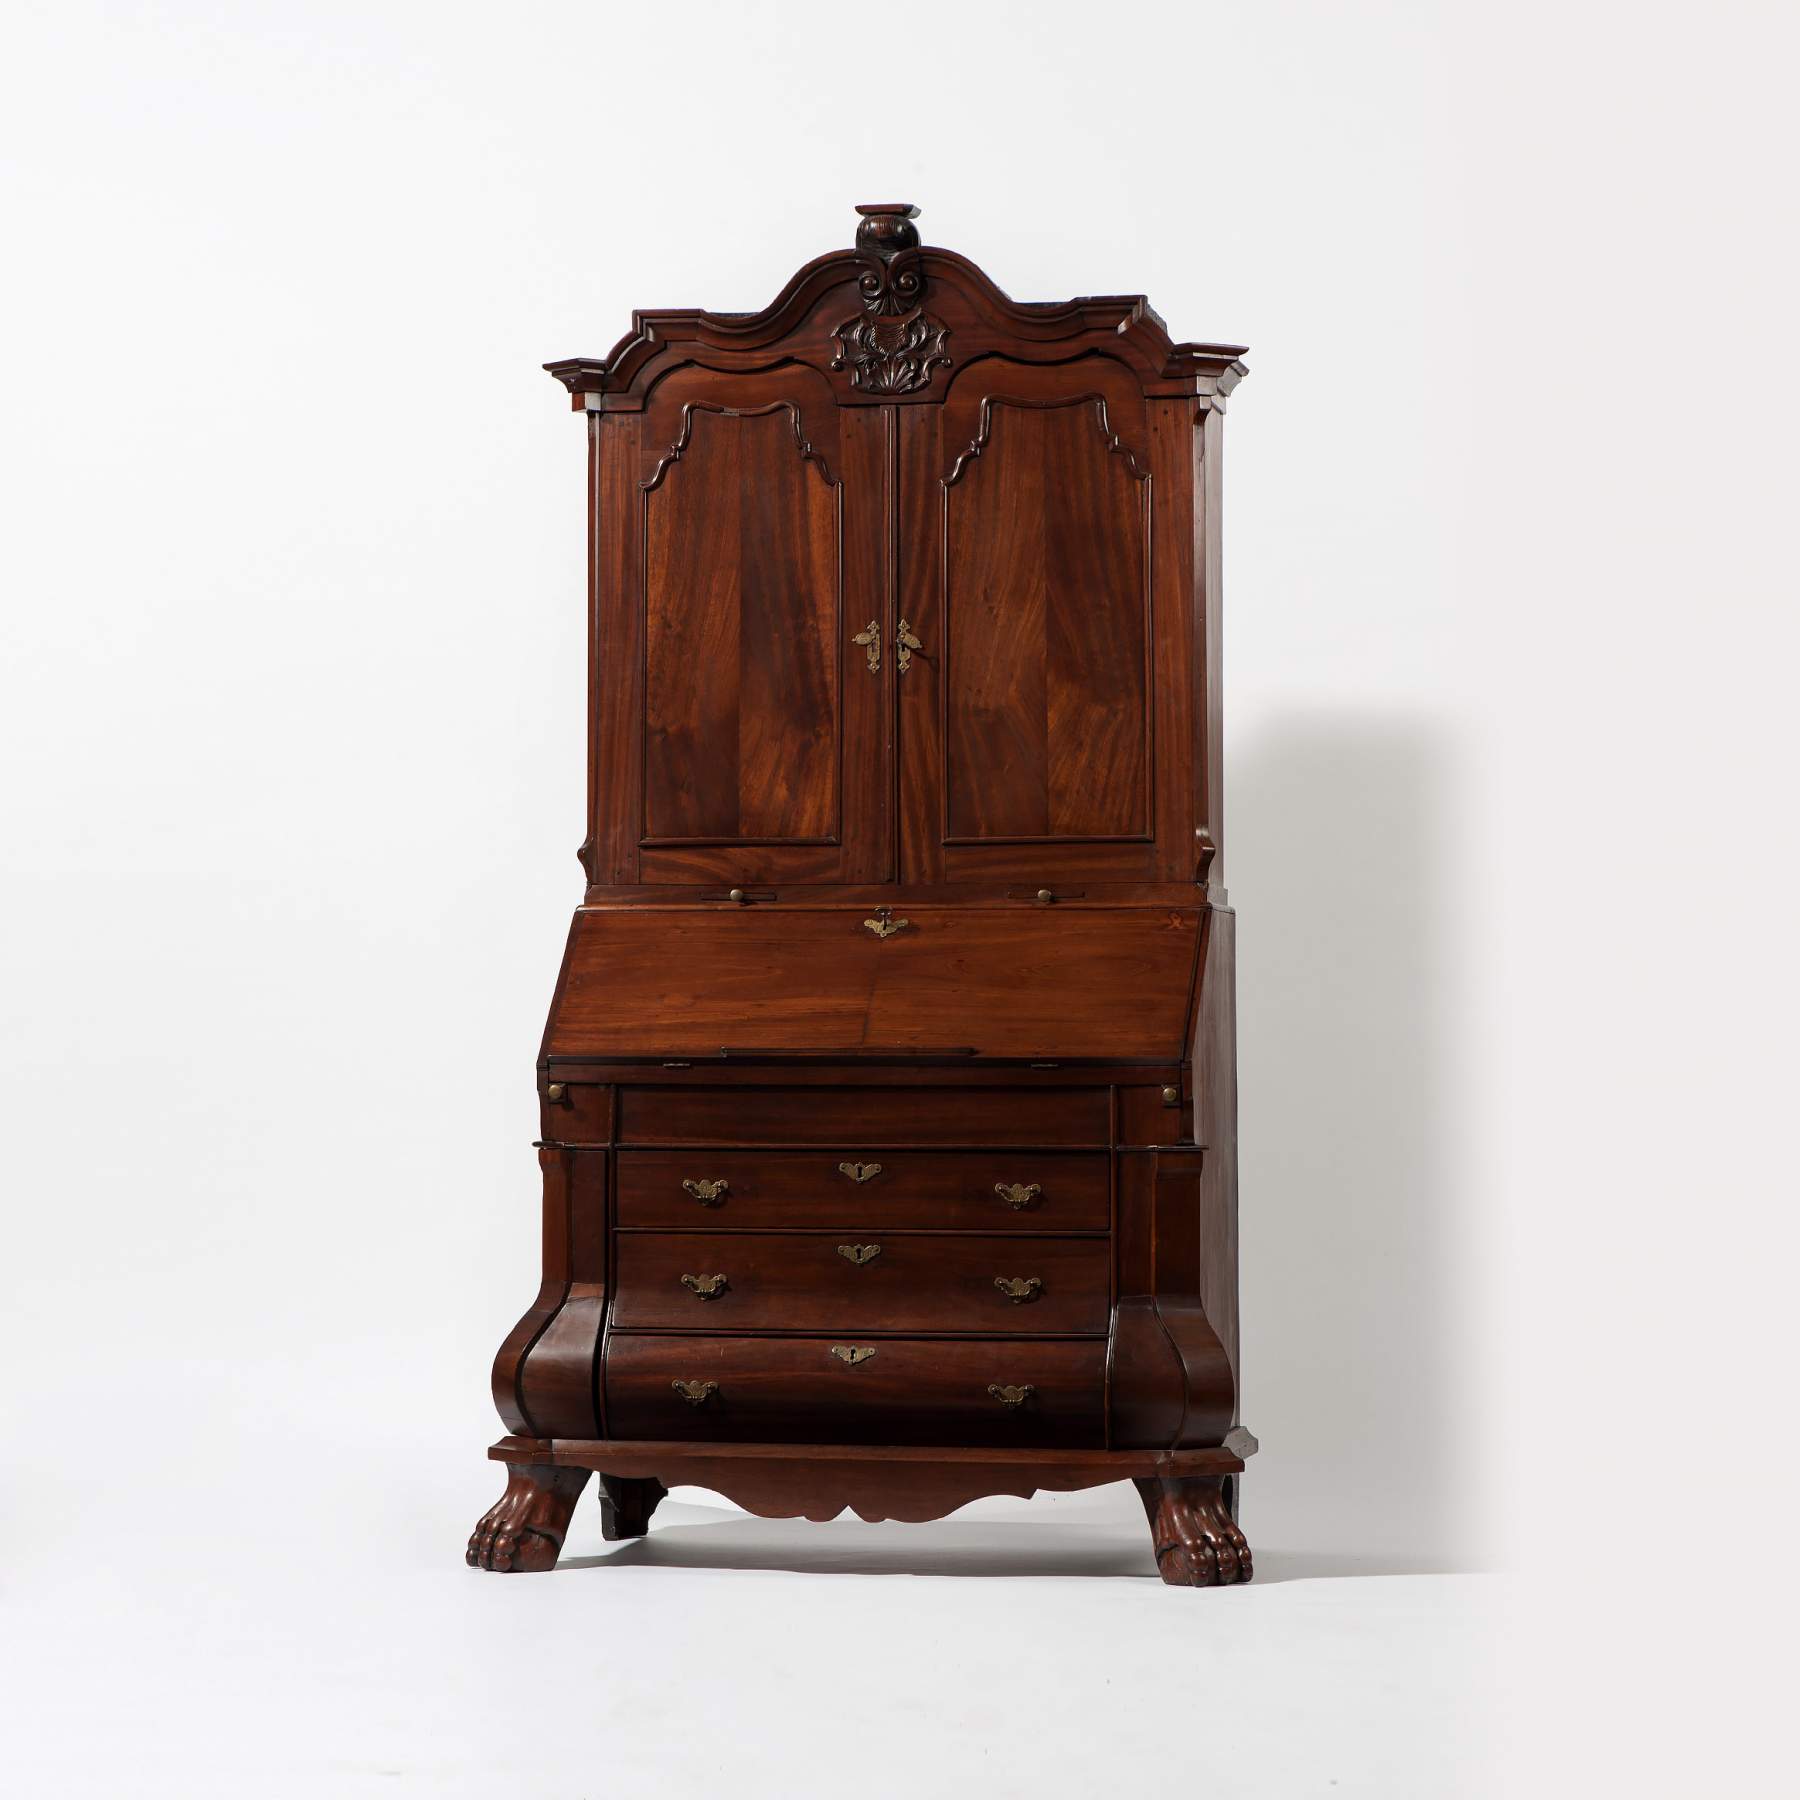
1042 983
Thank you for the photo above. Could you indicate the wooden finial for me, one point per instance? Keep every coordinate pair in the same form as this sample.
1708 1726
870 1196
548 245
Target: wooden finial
887 229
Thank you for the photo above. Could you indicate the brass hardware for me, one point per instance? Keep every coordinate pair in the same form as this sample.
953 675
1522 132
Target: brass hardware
695 1393
871 642
884 924
860 1171
1171 1096
708 1287
1017 1195
853 1353
904 645
1011 1396
738 895
708 1193
1020 1288
555 1093
860 1254
1045 896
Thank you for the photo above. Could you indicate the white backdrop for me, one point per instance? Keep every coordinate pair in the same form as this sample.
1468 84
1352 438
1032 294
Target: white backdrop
291 739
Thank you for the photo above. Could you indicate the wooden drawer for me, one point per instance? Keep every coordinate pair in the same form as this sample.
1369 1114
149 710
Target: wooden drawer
916 1189
913 1281
910 1391
867 1118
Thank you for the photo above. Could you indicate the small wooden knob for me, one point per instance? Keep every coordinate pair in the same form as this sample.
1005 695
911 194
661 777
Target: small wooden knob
555 1092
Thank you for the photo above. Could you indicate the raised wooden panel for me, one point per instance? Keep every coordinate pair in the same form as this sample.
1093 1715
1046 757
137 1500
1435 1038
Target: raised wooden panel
739 733
1046 628
1044 517
742 601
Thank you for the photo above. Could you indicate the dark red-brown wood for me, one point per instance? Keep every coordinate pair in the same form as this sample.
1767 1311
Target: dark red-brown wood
888 1096
907 1190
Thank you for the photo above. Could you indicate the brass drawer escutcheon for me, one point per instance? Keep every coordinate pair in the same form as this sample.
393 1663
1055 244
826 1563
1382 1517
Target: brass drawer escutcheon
1017 1195
695 1393
853 1353
708 1287
1019 1289
708 1193
860 1171
1011 1396
860 1254
884 924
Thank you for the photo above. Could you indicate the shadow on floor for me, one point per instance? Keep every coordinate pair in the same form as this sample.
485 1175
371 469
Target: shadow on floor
950 1547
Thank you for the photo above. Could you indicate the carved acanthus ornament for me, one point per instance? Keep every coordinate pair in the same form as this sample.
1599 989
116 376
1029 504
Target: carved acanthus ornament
893 346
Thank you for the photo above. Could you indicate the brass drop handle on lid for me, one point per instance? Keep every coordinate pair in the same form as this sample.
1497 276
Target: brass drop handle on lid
695 1392
708 1193
1017 1195
1011 1396
707 1287
1019 1288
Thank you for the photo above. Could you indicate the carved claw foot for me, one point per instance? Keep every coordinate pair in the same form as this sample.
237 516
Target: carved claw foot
523 1531
1197 1541
626 1503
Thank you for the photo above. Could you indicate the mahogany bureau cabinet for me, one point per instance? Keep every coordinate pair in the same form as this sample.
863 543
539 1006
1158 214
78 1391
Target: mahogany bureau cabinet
888 1092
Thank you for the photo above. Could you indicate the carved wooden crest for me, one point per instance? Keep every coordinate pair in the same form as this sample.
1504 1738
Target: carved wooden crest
893 346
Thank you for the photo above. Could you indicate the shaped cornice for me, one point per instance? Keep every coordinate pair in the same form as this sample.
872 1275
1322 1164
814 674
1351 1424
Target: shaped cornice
882 317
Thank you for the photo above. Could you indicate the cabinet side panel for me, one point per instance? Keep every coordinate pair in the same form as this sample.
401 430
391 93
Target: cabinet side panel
1215 1070
617 656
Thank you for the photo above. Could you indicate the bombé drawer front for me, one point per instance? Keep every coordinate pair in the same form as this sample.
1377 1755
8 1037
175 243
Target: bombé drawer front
872 1118
824 1281
992 1190
1005 1392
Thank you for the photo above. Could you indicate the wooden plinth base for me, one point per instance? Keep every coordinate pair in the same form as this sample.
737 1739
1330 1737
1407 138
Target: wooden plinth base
1197 1543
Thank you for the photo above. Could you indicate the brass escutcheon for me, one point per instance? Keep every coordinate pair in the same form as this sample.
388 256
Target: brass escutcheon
860 1171
884 924
871 642
905 644
708 1193
1019 1288
853 1353
1011 1396
695 1392
859 1253
708 1287
1017 1195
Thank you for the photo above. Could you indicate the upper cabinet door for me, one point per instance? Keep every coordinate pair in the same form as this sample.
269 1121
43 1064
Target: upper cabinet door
740 640
1041 584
